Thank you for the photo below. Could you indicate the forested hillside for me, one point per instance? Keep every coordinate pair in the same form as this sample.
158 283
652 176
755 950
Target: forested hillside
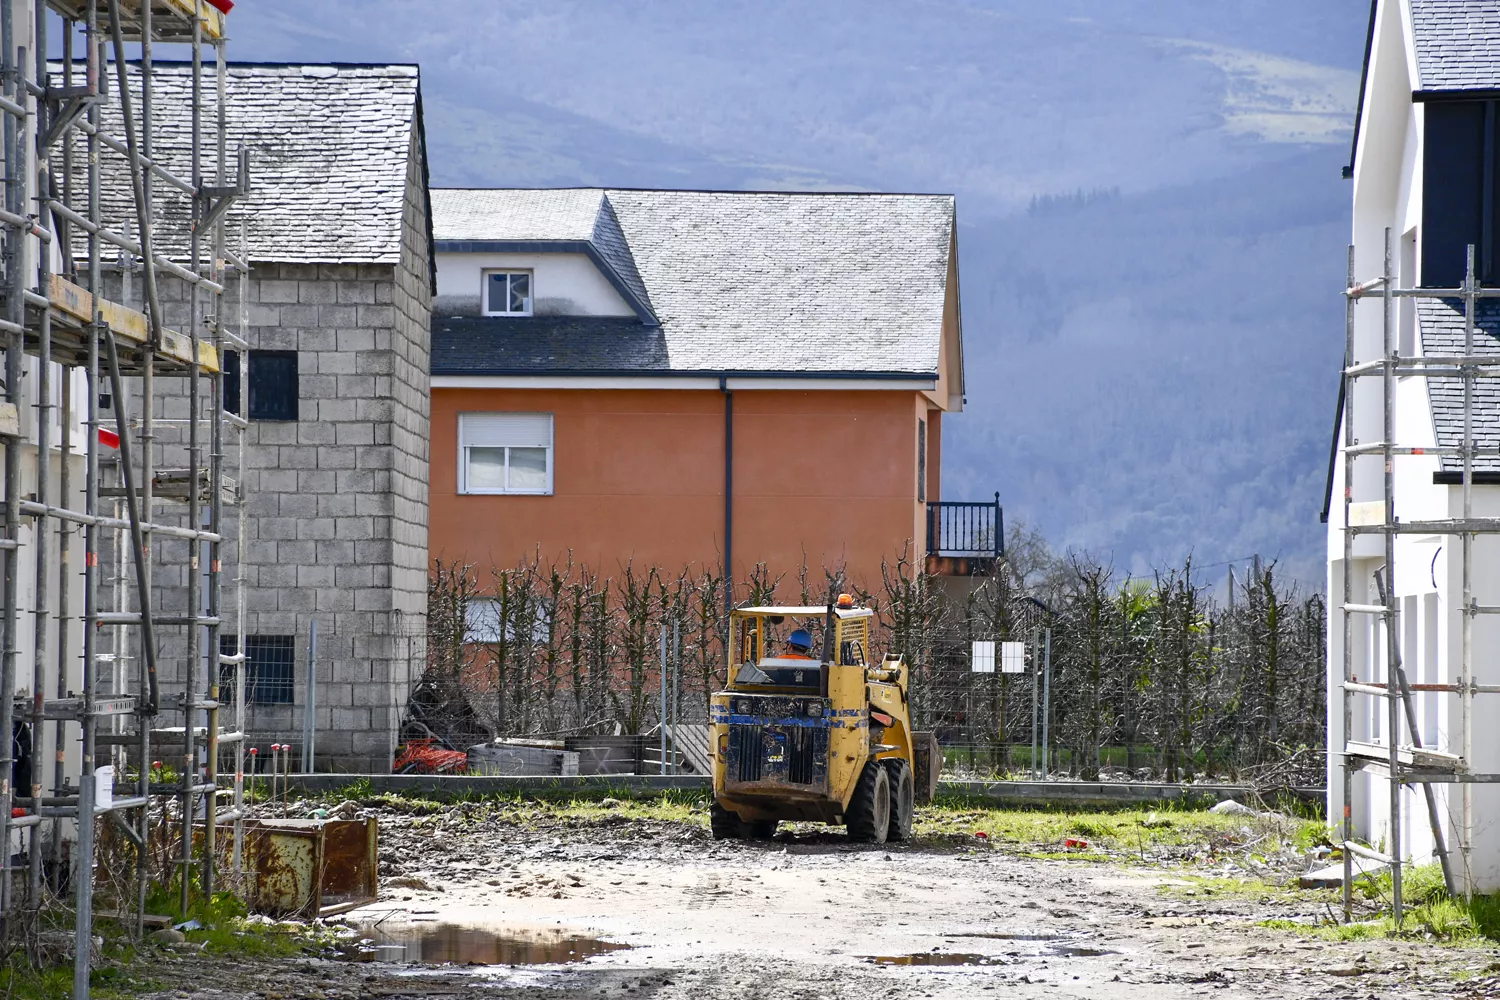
1152 218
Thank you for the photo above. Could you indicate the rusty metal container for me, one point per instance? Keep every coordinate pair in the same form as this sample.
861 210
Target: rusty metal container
311 867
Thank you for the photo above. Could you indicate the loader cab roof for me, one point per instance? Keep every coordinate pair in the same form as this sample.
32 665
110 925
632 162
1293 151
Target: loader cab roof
758 634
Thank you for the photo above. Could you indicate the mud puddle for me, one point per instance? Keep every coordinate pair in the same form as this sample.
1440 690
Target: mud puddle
443 943
935 958
1053 945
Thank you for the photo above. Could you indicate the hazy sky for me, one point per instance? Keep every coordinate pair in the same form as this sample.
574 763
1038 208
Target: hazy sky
1149 374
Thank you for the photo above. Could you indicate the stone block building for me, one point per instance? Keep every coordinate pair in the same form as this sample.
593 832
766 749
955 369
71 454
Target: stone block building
335 312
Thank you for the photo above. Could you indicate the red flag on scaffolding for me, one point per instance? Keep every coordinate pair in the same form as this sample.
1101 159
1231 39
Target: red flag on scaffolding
222 6
109 438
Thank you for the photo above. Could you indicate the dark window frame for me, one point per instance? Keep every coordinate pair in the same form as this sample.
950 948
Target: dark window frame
275 392
270 669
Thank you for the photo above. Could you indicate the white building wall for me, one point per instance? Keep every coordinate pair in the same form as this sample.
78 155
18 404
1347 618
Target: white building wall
563 284
45 744
1427 575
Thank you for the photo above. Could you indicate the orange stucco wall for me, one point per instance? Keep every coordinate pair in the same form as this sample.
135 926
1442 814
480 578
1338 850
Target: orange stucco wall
639 475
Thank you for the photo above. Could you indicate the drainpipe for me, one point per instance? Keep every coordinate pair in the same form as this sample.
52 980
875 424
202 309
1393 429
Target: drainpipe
728 492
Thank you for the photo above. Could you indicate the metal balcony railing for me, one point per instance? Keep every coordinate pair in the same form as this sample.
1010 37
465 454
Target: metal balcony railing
962 530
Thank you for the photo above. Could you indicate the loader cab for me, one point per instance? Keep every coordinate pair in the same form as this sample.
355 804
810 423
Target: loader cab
758 636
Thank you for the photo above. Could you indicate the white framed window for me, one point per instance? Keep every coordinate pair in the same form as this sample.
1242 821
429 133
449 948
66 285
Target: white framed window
505 453
482 622
507 293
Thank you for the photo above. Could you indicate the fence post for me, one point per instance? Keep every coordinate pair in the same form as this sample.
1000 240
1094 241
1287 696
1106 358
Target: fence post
1047 704
663 697
1036 677
310 718
676 694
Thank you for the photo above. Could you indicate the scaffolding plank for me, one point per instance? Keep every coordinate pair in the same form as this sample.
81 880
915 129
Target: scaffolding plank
1332 876
79 303
1408 756
171 20
70 709
1455 526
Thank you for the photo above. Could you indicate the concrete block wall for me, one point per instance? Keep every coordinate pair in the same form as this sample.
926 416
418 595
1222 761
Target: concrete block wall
336 501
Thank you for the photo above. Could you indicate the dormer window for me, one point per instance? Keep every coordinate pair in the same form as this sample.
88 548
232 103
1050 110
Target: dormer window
507 293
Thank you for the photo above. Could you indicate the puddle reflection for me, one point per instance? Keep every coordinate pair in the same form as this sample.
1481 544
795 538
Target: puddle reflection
460 944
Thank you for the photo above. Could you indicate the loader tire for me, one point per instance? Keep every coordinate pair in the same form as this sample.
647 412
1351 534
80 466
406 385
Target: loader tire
868 817
762 829
725 823
903 798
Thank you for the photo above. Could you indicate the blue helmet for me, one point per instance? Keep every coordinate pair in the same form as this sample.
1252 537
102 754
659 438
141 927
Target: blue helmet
802 637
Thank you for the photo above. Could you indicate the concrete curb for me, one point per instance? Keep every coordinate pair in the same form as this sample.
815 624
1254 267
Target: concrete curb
1030 793
481 784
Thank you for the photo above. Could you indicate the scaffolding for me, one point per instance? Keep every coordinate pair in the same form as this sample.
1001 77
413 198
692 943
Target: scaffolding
74 129
1409 763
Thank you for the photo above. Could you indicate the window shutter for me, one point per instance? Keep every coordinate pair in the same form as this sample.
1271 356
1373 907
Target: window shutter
231 377
499 430
1453 197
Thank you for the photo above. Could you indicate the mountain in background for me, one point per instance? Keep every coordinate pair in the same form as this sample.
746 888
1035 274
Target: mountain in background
1152 221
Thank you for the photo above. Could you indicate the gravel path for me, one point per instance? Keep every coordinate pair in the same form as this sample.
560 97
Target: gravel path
813 917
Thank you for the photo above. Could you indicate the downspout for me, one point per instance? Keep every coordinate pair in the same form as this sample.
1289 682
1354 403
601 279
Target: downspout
728 492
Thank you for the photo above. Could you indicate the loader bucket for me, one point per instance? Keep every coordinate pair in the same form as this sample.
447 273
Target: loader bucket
927 763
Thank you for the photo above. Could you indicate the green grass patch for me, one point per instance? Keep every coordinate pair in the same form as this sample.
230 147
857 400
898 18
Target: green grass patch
1429 913
226 927
118 976
17 979
1112 832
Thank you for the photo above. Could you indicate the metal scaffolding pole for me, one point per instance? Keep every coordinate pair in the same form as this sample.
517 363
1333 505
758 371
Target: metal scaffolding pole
15 264
1406 761
57 309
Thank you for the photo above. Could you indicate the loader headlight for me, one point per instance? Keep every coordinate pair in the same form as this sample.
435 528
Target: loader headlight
815 710
742 707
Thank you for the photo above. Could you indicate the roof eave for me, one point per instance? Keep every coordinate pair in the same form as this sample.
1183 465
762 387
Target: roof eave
1489 93
1359 105
840 375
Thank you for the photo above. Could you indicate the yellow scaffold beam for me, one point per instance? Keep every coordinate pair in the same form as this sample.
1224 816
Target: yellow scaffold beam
171 20
77 302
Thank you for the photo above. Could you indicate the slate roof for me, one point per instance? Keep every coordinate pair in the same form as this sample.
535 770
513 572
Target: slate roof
1458 44
1442 324
514 215
329 148
500 345
740 281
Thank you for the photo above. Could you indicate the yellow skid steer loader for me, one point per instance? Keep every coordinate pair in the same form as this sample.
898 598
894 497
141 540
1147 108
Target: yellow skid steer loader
824 737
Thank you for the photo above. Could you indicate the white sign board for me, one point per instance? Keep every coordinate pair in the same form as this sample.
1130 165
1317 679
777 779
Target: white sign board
982 658
1013 657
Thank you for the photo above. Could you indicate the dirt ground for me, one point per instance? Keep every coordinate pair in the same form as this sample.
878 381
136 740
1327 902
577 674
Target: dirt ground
810 916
